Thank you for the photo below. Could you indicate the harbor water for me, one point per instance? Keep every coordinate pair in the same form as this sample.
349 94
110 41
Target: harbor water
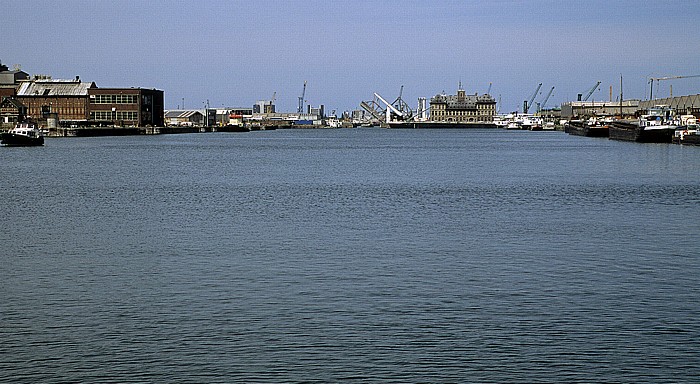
356 255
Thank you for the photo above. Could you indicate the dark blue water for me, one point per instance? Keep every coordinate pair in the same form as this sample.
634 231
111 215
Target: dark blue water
362 255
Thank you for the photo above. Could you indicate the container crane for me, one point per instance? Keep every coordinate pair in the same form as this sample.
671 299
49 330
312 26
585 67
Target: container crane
300 108
652 79
527 104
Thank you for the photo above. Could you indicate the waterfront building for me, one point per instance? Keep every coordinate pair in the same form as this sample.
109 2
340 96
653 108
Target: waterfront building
681 105
264 106
138 107
11 112
78 103
579 109
184 118
462 107
319 112
68 99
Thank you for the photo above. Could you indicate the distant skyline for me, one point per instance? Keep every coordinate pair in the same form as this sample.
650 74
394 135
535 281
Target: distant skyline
233 53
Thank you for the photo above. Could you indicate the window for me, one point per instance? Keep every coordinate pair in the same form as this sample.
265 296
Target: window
114 99
113 116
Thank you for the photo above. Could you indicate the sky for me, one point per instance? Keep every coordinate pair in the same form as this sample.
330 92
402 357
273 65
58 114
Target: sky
232 53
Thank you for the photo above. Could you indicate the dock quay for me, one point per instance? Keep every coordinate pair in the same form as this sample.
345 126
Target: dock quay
117 131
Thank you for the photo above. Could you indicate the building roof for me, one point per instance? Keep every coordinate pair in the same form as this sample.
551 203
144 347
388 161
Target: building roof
54 88
468 102
181 114
10 101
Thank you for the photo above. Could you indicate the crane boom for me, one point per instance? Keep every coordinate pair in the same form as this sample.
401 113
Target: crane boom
652 79
526 107
300 108
590 92
547 98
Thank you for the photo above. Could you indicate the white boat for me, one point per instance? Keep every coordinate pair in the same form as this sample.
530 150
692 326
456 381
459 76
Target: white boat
23 135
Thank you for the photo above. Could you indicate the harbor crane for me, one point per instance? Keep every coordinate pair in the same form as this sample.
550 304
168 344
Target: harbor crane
527 104
488 92
652 79
589 93
546 99
402 106
300 108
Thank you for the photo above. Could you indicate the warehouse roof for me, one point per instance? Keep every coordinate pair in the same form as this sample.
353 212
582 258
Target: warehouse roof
174 114
55 88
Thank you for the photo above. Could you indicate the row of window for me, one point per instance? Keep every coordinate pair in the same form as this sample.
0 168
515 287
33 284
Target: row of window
114 99
462 113
111 116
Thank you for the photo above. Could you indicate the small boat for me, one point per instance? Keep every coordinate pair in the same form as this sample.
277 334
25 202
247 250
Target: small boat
687 135
23 135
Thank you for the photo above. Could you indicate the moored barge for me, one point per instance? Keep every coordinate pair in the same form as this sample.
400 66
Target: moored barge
586 128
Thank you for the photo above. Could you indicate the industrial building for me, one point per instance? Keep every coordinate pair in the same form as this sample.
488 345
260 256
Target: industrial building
76 103
9 79
184 118
579 109
462 107
682 105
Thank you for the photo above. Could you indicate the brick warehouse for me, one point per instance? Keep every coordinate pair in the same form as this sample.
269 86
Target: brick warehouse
78 103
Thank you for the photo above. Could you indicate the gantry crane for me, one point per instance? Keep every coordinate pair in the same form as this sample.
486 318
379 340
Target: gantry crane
652 79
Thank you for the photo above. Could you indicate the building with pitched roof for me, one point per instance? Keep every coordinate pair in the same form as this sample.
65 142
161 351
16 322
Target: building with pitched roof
78 103
11 112
184 118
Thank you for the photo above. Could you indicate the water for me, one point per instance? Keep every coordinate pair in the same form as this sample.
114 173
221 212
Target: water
360 255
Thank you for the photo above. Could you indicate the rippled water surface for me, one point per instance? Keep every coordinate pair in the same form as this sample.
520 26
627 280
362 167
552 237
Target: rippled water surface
350 255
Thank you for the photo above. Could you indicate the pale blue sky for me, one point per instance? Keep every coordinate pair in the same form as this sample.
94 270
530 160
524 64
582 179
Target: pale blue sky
233 53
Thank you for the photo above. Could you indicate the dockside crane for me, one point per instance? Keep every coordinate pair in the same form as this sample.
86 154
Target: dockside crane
652 79
589 93
300 108
402 106
546 99
527 104
488 92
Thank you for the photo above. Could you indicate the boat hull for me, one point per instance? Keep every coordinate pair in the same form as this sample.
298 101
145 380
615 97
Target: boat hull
12 140
693 139
627 131
583 129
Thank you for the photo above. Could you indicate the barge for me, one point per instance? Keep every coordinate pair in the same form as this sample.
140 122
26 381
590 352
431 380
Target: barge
587 128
